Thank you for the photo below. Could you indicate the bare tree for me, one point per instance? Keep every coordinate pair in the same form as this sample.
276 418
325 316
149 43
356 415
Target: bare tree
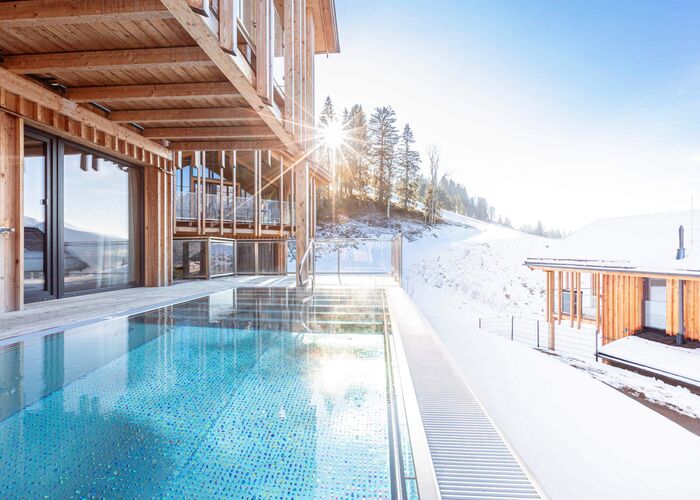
432 208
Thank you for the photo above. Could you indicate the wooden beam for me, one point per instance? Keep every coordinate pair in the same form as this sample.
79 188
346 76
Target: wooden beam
242 132
36 13
234 67
239 145
99 60
183 114
114 93
45 98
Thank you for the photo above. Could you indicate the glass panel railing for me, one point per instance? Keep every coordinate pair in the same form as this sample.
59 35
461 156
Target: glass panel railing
186 206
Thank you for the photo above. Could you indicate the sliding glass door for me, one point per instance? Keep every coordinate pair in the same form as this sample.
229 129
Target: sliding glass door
83 220
37 223
102 222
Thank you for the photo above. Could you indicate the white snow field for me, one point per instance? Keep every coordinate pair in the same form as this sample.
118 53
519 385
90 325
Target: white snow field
579 436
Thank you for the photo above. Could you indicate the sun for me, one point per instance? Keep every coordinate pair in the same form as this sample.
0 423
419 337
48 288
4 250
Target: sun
333 135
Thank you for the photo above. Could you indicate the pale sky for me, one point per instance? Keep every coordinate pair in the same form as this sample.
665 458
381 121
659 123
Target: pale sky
559 111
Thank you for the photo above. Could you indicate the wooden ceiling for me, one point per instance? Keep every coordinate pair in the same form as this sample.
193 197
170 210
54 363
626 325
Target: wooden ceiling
135 63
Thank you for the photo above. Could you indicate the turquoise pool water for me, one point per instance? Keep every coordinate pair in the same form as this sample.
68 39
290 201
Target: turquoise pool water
250 393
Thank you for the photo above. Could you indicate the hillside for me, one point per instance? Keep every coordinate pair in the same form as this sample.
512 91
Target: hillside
478 265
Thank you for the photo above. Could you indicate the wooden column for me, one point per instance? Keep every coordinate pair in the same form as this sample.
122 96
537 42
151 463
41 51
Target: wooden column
158 228
228 25
256 192
235 194
310 52
550 308
222 163
289 69
11 212
301 189
264 51
560 275
281 195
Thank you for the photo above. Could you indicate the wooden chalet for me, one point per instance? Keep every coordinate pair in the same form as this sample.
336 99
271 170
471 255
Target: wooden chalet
625 276
138 138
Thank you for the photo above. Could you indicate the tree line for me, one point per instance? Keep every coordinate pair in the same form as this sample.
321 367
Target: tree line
377 163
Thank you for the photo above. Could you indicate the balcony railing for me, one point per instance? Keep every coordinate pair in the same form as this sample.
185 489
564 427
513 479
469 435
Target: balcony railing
186 209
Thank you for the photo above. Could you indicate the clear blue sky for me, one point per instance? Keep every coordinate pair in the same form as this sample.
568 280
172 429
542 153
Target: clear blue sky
555 110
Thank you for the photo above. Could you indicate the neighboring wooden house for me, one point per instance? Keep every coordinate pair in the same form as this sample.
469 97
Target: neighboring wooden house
624 276
140 122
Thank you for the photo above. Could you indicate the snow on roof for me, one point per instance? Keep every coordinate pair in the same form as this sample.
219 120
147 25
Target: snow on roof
640 243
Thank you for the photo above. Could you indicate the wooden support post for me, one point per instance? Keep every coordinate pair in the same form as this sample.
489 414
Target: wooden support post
289 69
550 308
158 228
256 192
222 159
281 195
264 51
301 189
560 275
579 301
228 25
571 298
11 212
235 193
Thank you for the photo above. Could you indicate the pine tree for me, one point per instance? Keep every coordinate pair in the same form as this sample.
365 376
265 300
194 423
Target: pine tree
408 166
383 138
358 161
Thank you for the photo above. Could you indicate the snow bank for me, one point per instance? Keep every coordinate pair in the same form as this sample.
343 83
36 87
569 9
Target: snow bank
676 360
580 438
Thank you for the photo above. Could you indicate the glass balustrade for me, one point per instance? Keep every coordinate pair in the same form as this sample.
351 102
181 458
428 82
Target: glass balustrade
271 212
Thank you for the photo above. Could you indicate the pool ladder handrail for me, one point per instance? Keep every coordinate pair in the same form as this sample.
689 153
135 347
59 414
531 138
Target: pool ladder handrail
311 277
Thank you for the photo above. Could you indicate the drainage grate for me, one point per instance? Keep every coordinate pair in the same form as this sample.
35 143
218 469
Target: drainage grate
469 456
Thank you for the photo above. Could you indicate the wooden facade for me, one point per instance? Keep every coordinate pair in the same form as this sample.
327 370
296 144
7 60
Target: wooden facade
152 82
616 302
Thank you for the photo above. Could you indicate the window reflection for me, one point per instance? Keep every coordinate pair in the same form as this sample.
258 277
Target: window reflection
34 215
102 227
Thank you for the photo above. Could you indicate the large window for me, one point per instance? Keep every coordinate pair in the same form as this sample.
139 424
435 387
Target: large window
102 217
83 218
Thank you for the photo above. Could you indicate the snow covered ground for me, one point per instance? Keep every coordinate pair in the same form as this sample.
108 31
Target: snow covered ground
578 435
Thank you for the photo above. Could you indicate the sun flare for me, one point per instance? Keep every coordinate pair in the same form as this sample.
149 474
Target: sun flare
334 135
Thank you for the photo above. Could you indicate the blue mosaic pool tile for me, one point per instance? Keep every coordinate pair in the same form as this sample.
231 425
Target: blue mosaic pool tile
195 410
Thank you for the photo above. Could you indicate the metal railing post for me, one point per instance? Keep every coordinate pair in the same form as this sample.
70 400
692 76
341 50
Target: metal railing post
512 327
596 345
538 333
479 323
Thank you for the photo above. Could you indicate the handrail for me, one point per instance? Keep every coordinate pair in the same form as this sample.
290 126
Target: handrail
304 258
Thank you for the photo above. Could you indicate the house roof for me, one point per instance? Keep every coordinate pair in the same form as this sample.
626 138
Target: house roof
642 244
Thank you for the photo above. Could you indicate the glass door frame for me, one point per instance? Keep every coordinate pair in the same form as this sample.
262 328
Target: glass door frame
51 209
54 213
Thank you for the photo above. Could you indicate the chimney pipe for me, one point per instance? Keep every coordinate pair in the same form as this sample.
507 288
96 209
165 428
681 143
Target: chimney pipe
680 253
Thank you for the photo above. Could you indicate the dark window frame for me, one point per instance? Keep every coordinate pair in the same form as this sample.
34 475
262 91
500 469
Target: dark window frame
55 218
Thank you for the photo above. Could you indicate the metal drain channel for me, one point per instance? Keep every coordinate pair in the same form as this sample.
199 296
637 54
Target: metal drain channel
470 458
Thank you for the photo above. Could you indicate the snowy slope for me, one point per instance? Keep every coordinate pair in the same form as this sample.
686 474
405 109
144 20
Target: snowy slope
479 264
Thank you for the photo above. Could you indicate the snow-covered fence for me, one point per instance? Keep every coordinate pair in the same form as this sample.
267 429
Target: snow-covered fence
534 333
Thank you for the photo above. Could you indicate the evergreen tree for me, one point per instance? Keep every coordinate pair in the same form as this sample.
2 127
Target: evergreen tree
383 137
408 166
357 155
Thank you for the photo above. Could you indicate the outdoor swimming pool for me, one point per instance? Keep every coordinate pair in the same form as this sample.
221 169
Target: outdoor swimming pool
245 393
